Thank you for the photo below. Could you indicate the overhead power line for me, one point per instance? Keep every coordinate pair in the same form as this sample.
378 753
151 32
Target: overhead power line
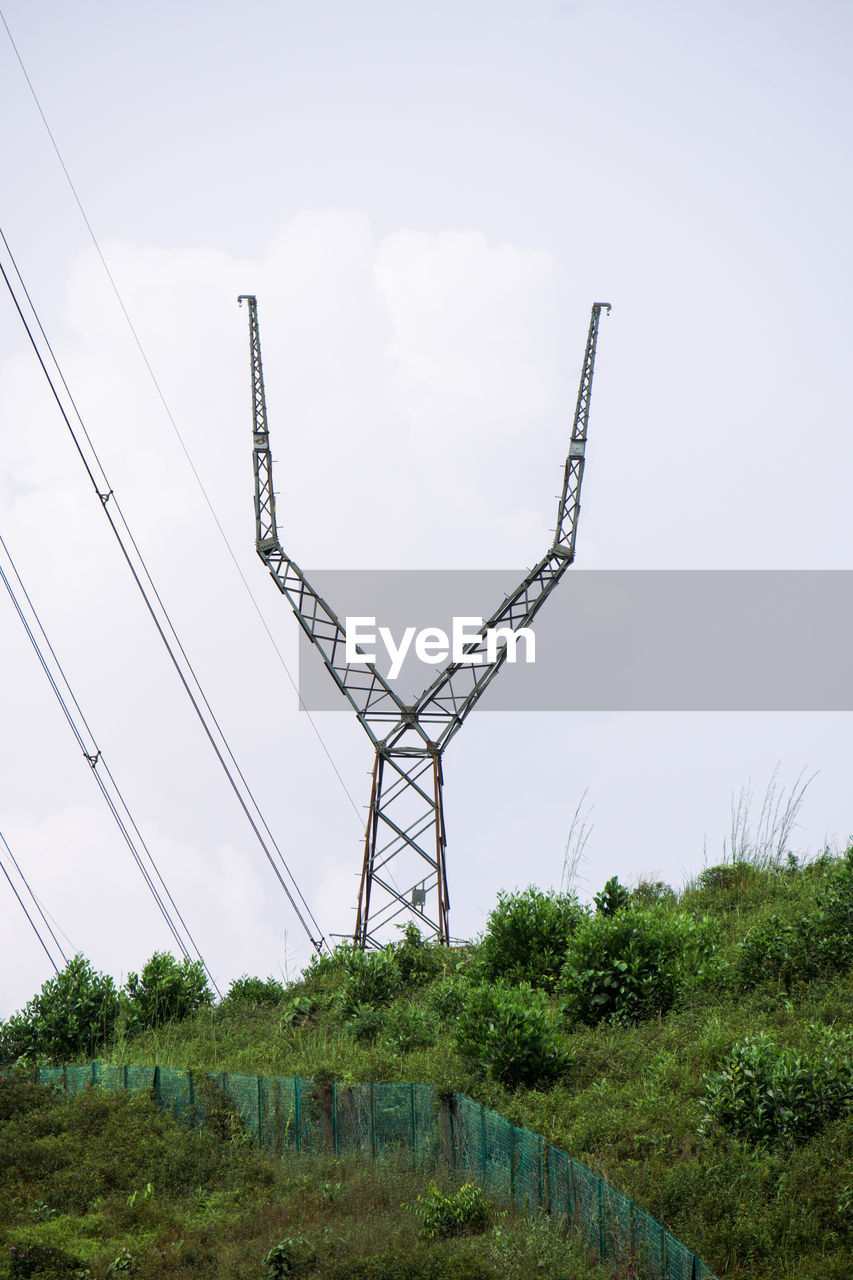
79 725
38 905
150 369
159 614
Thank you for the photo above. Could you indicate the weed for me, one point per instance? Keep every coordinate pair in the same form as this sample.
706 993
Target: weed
463 1212
290 1257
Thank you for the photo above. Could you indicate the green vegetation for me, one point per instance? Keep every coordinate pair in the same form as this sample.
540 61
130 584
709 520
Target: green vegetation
106 1184
693 1047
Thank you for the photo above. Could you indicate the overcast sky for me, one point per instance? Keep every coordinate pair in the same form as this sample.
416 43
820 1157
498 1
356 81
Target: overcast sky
426 199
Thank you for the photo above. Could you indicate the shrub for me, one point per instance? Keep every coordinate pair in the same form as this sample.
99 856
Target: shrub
32 1259
649 892
419 962
370 978
166 990
72 1016
527 935
446 998
465 1212
613 897
263 993
408 1028
364 1022
509 1034
816 943
632 965
290 1257
762 1093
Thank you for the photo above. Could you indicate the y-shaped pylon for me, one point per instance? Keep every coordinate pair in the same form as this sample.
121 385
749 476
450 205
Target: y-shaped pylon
405 824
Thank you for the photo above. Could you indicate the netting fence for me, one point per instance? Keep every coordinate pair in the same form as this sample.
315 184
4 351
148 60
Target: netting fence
433 1128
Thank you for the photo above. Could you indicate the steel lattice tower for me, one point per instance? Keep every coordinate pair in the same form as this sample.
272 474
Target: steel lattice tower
406 821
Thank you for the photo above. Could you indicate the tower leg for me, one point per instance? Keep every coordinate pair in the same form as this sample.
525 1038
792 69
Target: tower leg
404 874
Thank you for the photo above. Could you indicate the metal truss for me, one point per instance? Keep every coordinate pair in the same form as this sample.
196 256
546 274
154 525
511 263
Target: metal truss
405 824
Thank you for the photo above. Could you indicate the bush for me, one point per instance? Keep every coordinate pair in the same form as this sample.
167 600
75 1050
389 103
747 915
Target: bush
465 1212
364 1022
613 897
71 1017
527 935
263 993
814 944
166 991
633 965
408 1028
649 892
509 1034
370 978
419 962
29 1259
290 1257
762 1093
446 998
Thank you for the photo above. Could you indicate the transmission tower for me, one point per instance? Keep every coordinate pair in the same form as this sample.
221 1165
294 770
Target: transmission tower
405 840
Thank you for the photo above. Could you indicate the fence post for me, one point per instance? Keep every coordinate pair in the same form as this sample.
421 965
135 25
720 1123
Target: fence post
335 1116
600 1219
260 1114
414 1133
483 1137
512 1162
373 1119
297 1119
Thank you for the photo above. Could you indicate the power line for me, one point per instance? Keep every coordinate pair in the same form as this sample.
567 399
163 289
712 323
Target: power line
107 496
174 425
109 789
35 928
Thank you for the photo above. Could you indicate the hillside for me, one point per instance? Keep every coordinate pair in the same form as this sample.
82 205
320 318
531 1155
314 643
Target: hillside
692 1047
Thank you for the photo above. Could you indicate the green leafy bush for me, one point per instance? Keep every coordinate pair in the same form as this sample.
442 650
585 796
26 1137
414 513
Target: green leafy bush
370 978
613 897
649 892
632 965
526 937
365 1022
510 1034
762 1093
263 993
72 1016
464 1212
410 1028
446 998
419 962
815 943
166 990
290 1257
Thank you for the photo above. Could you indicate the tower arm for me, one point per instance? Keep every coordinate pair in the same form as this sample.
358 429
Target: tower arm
454 692
367 691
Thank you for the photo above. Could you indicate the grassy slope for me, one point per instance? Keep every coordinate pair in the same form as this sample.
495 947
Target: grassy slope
630 1107
104 1179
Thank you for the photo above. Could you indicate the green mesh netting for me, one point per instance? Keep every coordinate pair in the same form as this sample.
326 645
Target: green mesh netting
513 1163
